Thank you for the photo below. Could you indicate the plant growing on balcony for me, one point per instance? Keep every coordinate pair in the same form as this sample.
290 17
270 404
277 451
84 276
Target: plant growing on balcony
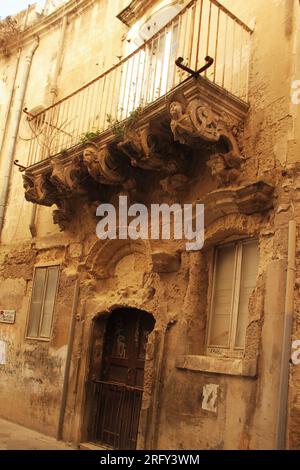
120 128
89 136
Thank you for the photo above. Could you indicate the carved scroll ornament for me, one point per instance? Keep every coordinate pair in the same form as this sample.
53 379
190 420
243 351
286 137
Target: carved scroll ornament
152 149
104 165
38 189
194 120
67 177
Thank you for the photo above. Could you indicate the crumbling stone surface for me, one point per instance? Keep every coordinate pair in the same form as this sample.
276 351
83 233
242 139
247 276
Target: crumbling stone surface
19 264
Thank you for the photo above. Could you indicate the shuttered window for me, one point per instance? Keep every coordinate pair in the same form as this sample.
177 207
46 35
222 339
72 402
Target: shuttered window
235 272
42 302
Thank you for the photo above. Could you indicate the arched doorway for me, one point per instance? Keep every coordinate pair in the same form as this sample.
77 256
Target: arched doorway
118 378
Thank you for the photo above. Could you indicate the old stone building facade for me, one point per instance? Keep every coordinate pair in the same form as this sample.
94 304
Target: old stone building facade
142 343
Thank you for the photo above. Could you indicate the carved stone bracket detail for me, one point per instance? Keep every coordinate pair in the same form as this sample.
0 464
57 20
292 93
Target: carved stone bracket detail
63 214
250 199
38 189
106 165
193 121
153 148
163 147
68 177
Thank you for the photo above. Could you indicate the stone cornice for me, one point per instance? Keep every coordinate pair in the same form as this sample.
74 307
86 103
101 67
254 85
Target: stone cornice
248 199
47 22
133 11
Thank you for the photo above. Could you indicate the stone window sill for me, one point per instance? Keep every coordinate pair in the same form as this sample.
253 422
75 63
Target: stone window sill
218 365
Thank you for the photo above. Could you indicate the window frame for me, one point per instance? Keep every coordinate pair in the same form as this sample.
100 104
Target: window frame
36 267
230 350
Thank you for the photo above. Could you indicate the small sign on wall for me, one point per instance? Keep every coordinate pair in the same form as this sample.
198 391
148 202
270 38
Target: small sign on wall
2 353
210 395
7 316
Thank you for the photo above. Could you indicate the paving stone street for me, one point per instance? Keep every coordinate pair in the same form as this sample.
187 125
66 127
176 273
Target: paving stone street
15 437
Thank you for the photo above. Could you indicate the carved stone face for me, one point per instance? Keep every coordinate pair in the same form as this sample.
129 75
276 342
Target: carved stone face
89 154
176 110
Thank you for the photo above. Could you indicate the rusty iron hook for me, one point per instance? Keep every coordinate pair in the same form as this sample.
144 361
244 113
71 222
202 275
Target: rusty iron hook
195 73
21 167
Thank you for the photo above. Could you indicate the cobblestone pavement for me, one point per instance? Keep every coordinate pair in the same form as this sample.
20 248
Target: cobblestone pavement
15 437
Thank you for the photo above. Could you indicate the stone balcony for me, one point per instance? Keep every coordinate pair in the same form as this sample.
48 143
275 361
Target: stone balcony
141 120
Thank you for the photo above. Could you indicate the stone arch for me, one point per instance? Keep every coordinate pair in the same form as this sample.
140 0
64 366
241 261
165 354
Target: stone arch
104 256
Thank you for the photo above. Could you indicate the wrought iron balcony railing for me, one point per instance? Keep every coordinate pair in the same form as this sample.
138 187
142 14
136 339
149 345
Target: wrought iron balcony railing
202 28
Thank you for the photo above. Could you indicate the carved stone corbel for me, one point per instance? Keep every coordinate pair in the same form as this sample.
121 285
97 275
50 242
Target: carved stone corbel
63 214
193 121
104 165
67 177
38 189
152 149
225 167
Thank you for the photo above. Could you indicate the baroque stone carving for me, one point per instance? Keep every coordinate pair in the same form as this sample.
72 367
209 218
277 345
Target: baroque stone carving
63 214
67 177
38 189
225 167
191 120
104 165
194 120
175 184
247 200
256 197
152 149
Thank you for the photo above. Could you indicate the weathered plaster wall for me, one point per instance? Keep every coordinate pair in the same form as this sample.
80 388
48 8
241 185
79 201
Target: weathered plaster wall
31 379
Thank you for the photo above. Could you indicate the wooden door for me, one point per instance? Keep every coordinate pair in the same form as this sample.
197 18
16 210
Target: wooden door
119 388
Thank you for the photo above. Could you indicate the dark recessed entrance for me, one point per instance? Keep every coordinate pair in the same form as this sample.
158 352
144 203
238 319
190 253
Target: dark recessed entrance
118 385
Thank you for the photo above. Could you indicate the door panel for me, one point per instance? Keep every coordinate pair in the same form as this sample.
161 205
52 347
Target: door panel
118 387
